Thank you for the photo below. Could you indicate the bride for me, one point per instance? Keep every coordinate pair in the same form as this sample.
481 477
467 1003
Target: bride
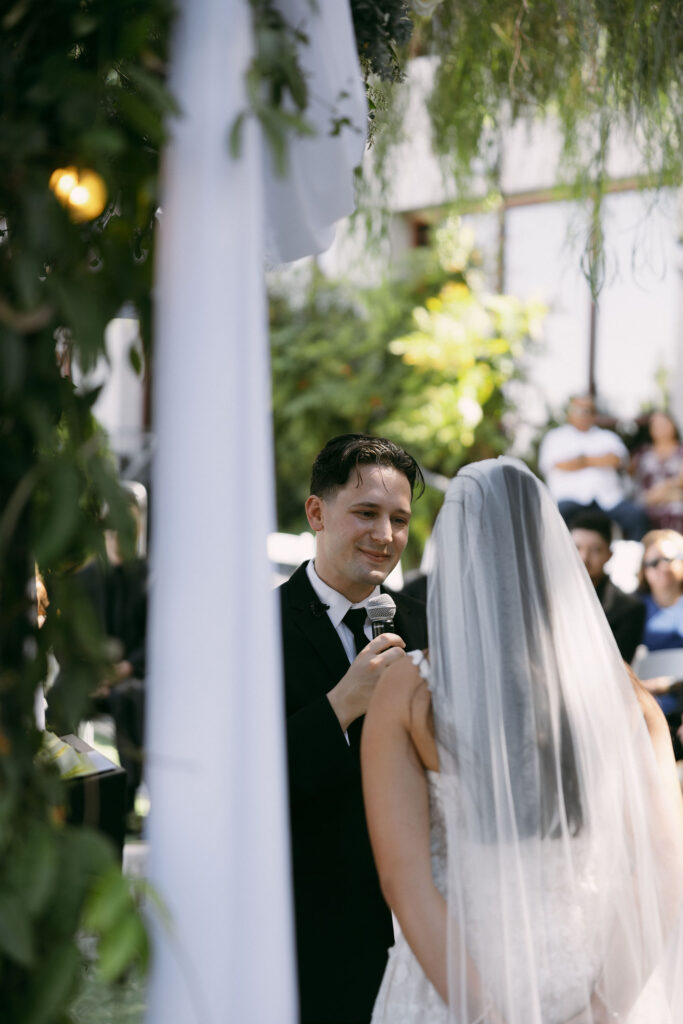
521 793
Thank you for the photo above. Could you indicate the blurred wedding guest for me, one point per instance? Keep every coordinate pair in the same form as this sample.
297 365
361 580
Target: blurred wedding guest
581 464
625 614
657 470
116 589
661 585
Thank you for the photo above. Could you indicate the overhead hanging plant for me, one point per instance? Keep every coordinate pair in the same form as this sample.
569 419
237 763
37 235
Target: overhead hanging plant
597 67
602 71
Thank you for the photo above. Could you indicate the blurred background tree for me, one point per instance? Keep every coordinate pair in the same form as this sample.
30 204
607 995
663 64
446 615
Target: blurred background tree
424 359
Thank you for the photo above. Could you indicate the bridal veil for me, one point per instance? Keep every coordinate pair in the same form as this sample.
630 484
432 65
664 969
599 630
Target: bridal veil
565 864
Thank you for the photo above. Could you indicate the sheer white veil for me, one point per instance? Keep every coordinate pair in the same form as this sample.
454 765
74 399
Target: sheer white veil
565 867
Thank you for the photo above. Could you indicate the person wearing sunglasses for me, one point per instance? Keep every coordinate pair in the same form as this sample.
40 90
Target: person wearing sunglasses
661 588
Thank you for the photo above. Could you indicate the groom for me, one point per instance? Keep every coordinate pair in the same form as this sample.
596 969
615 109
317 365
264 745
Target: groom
359 508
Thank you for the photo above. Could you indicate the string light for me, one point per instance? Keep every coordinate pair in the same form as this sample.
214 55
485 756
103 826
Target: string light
82 192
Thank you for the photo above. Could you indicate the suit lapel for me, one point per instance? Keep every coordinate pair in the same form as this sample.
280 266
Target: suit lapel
310 617
408 624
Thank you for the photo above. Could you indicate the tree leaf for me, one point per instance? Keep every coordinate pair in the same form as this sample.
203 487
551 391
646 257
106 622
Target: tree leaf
125 942
108 902
62 493
235 137
52 984
16 934
135 359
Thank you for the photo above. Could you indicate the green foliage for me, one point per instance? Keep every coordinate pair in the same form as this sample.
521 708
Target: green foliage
82 86
346 360
277 92
381 29
596 65
603 70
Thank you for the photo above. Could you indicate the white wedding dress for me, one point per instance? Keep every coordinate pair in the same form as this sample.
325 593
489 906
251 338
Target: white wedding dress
567 962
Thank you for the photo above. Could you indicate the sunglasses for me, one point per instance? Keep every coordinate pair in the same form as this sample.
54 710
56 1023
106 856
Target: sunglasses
654 562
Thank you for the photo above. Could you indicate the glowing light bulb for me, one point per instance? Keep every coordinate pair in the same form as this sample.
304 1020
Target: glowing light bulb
63 181
79 196
82 192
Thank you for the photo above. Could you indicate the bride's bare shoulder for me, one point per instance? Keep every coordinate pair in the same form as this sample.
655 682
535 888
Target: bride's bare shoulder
402 695
398 685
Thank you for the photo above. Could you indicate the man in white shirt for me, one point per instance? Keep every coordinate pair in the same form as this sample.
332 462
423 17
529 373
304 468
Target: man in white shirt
359 507
581 464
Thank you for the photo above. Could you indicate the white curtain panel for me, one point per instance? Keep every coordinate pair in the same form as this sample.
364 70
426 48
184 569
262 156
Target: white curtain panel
302 208
216 769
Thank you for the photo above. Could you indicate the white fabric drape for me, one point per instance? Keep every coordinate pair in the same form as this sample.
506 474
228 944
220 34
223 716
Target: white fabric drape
318 190
219 845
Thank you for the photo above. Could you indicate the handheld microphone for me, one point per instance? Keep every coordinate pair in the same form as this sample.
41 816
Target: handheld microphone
381 611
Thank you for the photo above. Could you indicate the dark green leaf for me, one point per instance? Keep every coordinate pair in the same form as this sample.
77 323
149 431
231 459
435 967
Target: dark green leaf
151 87
53 984
62 494
235 137
16 936
135 359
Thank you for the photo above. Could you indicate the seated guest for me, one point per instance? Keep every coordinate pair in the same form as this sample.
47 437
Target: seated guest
581 462
592 533
661 584
657 470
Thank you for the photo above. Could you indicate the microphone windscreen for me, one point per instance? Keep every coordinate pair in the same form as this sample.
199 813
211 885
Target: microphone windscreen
381 608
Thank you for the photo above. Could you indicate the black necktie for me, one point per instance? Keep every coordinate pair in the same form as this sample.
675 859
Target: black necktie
355 620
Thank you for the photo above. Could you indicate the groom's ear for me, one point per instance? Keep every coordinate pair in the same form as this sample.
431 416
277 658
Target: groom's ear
315 512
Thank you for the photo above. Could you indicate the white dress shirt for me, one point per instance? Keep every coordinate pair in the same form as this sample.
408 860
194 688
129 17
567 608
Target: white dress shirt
338 606
594 483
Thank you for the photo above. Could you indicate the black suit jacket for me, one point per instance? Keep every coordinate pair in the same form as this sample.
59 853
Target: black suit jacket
342 922
625 615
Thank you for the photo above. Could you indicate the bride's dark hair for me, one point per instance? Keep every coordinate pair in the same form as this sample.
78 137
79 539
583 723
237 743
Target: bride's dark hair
559 792
518 734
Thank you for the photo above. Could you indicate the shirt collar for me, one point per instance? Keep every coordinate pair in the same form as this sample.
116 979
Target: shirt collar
338 605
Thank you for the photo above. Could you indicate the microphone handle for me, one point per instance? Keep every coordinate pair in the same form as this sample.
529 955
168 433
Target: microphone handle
382 626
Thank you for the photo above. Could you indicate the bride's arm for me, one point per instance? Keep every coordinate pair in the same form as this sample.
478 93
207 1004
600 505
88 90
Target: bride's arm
397 809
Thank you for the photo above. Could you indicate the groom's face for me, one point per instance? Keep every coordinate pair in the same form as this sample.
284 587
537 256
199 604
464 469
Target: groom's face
361 529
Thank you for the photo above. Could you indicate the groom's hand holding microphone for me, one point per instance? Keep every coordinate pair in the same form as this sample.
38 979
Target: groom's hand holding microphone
351 696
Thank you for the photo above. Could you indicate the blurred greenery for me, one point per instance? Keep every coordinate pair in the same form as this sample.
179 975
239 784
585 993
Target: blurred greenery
97 1003
599 68
423 358
83 87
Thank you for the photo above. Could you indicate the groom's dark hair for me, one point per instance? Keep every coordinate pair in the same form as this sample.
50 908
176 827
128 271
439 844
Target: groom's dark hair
348 452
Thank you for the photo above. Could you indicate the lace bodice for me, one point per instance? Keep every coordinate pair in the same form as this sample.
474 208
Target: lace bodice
561 933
